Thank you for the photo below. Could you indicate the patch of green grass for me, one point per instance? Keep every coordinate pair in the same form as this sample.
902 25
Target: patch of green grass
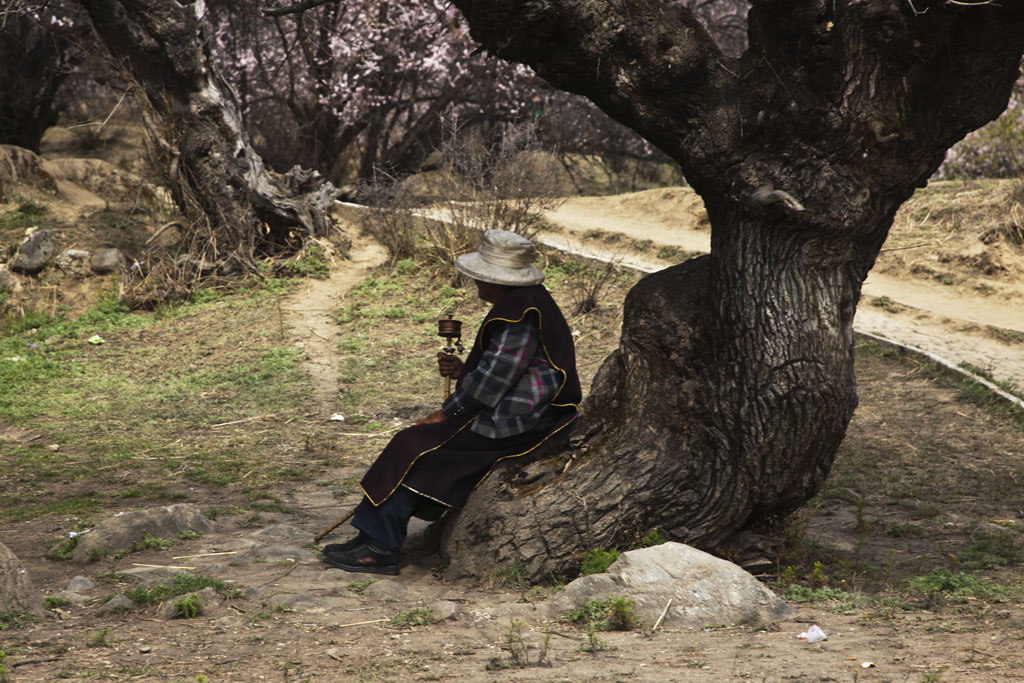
941 586
652 538
51 602
886 304
991 548
150 543
183 584
101 639
9 619
597 561
145 402
63 549
905 530
421 616
1006 385
978 394
510 575
837 601
361 587
611 614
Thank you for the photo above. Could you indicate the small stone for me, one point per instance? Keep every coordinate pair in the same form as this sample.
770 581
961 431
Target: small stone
445 610
145 649
34 254
118 603
106 261
9 282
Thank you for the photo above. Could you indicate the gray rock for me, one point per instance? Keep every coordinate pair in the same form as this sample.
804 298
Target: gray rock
73 261
17 594
281 531
229 623
106 261
81 584
118 603
152 575
252 593
445 610
34 254
275 553
72 597
704 589
385 589
9 282
121 531
299 602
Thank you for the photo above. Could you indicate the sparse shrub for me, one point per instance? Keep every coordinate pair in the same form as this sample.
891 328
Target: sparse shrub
991 548
652 538
150 543
188 607
942 585
511 575
62 549
597 561
519 650
100 639
612 614
421 616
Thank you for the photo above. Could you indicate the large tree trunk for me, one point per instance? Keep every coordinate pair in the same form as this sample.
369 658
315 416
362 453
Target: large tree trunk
239 207
733 383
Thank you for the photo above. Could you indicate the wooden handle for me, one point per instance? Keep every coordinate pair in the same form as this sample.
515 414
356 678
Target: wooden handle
316 539
447 387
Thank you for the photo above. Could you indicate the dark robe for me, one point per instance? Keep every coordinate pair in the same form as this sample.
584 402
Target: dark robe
445 461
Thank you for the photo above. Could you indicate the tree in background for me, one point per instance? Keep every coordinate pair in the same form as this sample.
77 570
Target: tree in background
733 383
355 88
37 54
238 209
995 151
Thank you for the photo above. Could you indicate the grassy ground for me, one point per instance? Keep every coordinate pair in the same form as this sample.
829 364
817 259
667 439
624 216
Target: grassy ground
205 402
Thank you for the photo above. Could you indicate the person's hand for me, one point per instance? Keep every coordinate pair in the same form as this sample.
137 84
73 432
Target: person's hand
449 365
436 416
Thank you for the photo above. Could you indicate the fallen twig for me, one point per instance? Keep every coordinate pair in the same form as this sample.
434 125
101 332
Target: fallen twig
361 623
662 616
189 557
159 566
247 419
35 660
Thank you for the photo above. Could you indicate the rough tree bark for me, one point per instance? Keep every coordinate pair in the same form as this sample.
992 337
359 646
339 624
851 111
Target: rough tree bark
239 207
733 383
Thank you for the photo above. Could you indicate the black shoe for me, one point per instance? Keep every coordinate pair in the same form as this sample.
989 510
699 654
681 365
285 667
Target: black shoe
350 544
366 558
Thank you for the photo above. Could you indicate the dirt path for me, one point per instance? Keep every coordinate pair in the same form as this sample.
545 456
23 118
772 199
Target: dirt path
309 315
928 315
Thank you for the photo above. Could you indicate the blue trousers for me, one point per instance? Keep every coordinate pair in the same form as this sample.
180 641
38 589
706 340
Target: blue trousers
388 523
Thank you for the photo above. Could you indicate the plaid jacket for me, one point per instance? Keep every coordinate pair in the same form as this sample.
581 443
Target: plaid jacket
511 386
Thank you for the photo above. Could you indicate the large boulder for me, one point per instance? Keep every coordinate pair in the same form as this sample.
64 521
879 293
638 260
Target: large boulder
17 594
120 532
703 589
34 254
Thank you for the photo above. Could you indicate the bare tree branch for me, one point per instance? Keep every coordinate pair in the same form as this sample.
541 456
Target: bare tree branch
294 9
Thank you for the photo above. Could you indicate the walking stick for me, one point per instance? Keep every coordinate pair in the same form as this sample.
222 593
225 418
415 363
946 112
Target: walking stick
342 520
451 330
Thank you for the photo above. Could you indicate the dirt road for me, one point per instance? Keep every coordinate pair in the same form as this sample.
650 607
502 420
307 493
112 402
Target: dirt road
951 322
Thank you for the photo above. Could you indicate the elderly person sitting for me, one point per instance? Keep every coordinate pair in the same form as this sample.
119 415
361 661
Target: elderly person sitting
517 387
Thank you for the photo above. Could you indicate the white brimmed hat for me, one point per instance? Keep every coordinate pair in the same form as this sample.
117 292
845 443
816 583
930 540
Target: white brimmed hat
504 258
